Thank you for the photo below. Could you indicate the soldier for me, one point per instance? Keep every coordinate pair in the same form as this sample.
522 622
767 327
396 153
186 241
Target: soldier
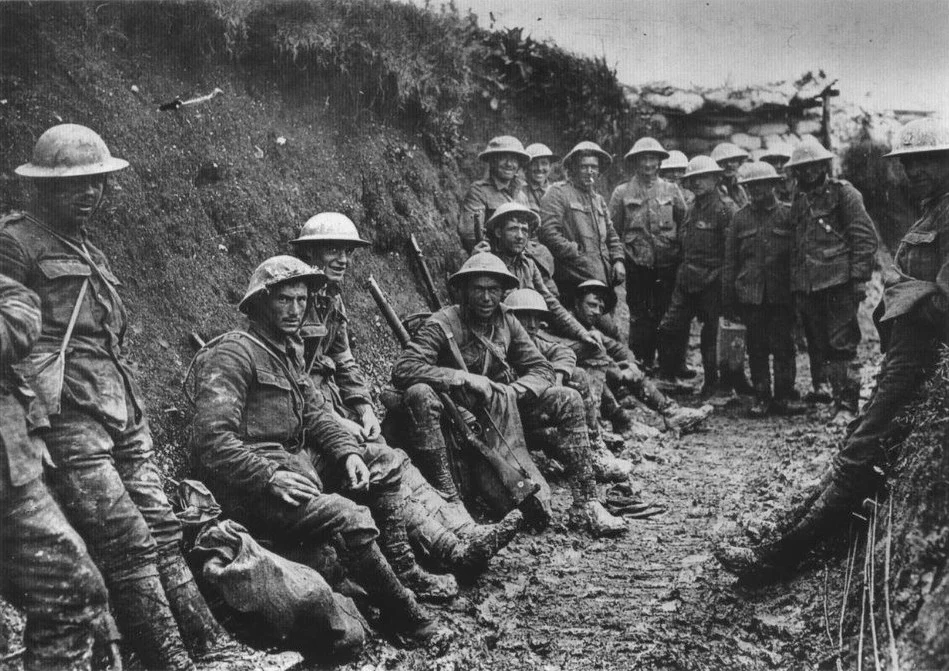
505 157
698 289
46 570
538 171
328 241
622 372
105 477
918 309
831 261
576 228
506 376
648 213
756 285
532 312
777 155
729 158
672 169
266 444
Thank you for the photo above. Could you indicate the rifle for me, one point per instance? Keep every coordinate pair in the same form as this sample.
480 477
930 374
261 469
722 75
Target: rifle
432 294
518 485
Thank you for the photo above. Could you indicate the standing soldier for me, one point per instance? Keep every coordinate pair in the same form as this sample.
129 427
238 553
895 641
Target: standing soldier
503 374
756 281
576 228
46 570
832 259
538 173
105 478
505 157
729 158
647 213
918 308
265 442
698 288
672 169
778 155
328 241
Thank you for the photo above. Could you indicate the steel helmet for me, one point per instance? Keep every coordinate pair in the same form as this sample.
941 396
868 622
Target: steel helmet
596 286
757 171
508 210
726 151
921 136
70 150
676 161
484 263
776 152
587 147
330 227
505 144
809 151
275 271
701 165
538 150
646 145
526 300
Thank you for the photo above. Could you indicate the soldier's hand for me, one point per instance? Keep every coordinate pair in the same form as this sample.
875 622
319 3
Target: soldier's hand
371 428
619 273
479 385
292 488
483 246
594 339
355 429
357 472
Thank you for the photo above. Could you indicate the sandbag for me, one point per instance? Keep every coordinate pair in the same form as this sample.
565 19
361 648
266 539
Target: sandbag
275 600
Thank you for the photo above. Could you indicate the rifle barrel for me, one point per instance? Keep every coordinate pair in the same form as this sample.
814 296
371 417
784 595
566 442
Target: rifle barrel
392 319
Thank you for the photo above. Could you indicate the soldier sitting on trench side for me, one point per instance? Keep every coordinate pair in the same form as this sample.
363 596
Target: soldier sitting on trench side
918 308
438 524
505 375
266 444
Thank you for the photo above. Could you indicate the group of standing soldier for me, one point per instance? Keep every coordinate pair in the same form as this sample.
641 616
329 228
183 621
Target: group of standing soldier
285 434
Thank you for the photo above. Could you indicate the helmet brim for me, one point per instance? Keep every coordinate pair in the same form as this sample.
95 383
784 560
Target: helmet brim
702 173
315 280
329 239
751 180
631 155
507 281
33 171
599 153
497 219
523 156
910 151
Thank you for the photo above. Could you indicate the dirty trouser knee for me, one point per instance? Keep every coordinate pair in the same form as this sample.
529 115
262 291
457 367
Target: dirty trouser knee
111 492
556 420
46 571
581 382
910 358
429 450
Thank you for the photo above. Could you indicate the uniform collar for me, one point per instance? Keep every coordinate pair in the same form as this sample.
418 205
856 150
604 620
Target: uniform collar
289 346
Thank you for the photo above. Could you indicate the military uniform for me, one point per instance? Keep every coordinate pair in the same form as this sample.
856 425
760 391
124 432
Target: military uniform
106 478
576 228
482 199
756 282
44 565
698 290
535 249
730 188
648 219
834 247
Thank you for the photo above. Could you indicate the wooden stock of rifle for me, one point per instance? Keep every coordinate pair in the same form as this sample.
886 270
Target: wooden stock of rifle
434 302
517 484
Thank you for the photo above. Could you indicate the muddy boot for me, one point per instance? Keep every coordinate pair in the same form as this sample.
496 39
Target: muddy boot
434 465
238 657
762 404
388 512
785 402
682 420
142 609
821 393
591 517
201 632
609 468
718 395
631 429
401 612
477 548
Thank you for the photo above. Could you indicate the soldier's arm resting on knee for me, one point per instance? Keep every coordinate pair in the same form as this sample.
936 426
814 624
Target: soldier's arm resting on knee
534 372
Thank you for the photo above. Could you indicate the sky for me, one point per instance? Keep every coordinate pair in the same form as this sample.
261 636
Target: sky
887 54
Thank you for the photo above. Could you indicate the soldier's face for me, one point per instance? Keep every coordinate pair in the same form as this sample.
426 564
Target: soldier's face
283 307
71 200
777 161
483 295
673 175
647 165
588 171
505 166
701 184
538 170
928 174
514 235
589 307
811 173
760 192
531 321
333 260
730 166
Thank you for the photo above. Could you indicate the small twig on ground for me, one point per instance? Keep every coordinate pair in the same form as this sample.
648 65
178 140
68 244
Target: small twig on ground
888 616
863 610
871 545
851 563
830 638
